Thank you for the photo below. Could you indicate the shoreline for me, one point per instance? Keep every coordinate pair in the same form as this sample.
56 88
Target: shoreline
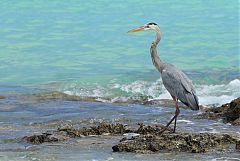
55 119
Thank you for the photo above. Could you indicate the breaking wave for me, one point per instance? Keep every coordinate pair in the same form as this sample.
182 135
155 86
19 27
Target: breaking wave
121 92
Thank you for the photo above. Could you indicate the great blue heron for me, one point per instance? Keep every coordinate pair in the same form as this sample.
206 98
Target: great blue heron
174 80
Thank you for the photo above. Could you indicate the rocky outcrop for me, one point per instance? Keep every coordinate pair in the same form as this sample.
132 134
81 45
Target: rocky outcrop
67 131
103 128
50 136
230 112
144 139
181 142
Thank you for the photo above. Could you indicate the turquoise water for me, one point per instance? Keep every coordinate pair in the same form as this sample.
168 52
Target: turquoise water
45 41
83 46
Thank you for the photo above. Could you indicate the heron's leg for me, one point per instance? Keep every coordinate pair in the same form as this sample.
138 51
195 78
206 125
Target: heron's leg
176 113
174 117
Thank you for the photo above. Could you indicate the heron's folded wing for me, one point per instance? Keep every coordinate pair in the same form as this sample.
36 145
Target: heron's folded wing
176 79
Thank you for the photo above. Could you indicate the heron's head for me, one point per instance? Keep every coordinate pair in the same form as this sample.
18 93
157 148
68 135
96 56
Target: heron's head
148 26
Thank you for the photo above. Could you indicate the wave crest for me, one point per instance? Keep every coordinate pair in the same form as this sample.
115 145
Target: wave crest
115 91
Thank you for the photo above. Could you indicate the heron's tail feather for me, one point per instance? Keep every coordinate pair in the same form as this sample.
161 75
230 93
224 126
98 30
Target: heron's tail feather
192 101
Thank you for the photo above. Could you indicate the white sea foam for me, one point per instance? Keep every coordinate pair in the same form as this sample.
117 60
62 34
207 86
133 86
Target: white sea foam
207 94
218 94
186 121
142 87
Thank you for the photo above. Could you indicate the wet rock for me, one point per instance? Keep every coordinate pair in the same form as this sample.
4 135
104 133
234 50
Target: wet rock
2 97
153 129
46 137
229 112
145 139
39 139
60 95
66 132
233 112
236 122
195 143
238 145
103 128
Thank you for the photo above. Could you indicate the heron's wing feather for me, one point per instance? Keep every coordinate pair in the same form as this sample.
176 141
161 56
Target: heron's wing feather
186 82
177 78
178 84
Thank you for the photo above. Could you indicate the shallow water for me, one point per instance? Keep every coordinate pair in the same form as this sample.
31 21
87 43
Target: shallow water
82 48
28 116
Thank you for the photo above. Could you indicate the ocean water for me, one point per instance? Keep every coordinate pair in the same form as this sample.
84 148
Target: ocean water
82 48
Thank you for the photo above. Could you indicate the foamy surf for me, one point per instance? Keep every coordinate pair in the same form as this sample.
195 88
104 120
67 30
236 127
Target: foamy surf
218 94
115 92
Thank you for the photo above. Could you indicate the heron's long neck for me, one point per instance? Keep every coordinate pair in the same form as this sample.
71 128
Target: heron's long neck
157 62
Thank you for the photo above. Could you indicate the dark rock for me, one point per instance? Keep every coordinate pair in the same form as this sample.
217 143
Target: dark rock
96 130
236 122
150 140
153 129
229 112
233 112
195 143
65 132
46 137
238 145
2 97
39 139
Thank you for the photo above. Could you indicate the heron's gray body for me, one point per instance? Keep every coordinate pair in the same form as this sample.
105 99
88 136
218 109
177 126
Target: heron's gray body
174 80
179 86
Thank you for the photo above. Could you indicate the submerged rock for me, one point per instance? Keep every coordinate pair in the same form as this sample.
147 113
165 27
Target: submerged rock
229 112
46 137
181 142
60 95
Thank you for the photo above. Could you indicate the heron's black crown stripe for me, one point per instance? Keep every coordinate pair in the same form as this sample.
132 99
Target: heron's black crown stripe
152 23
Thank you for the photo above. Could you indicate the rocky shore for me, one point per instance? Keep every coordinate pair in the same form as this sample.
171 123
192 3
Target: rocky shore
147 138
229 112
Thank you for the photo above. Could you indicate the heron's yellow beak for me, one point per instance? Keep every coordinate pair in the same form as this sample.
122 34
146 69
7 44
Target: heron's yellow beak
136 29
